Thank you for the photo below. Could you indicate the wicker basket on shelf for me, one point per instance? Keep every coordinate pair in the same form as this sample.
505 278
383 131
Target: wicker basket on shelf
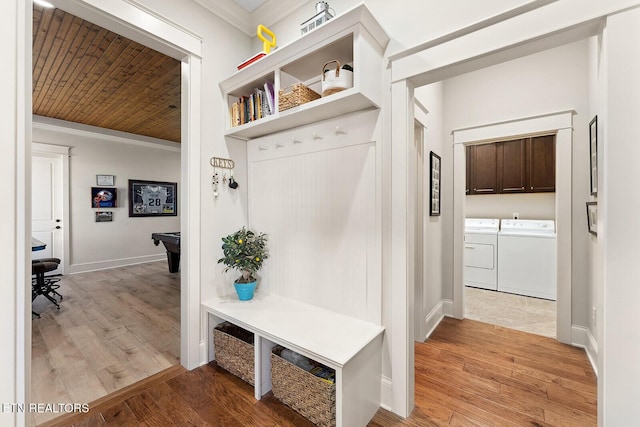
311 396
234 351
294 95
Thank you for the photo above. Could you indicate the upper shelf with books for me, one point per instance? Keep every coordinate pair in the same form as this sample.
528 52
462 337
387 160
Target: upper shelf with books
354 38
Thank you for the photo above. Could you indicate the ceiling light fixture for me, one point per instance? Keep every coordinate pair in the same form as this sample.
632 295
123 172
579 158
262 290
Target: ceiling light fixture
44 3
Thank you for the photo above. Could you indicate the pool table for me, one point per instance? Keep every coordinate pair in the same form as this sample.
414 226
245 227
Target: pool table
171 243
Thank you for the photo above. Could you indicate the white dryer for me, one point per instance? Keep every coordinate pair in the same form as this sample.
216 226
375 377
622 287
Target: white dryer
527 258
481 253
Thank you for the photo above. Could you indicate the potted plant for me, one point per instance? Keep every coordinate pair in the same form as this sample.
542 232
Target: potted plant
244 251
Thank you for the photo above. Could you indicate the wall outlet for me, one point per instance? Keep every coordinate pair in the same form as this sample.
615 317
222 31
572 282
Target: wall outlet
516 215
593 314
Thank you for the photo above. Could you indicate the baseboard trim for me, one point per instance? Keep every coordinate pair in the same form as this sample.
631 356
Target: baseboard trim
386 395
582 337
114 263
433 319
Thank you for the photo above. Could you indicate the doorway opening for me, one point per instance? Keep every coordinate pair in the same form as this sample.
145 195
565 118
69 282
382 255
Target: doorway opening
169 39
561 125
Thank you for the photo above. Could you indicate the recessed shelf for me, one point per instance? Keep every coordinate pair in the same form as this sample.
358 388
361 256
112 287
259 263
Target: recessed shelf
338 104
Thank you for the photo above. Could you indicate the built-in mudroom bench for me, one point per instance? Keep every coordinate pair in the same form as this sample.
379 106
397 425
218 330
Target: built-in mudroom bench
314 186
351 346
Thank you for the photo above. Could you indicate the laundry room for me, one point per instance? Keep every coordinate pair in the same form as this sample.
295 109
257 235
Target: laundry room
510 183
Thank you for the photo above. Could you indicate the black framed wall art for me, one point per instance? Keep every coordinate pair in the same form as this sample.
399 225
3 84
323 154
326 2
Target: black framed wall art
593 155
152 198
434 191
104 197
592 217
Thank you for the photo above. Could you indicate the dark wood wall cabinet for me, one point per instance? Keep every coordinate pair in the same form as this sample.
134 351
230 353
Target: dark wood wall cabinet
525 165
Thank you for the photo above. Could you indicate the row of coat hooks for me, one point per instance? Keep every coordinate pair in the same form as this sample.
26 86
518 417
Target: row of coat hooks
221 163
315 136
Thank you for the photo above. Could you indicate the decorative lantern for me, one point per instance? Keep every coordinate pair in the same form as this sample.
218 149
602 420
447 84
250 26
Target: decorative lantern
322 15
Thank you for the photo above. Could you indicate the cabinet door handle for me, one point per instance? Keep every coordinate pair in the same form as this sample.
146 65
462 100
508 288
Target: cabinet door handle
532 188
469 247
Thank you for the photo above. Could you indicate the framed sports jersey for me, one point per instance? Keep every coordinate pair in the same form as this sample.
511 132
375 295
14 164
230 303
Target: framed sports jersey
153 198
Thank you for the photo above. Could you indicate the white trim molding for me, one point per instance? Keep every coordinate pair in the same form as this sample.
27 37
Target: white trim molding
114 263
70 128
582 337
266 14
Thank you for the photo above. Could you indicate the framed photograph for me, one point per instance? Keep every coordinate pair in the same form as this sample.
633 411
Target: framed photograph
153 198
593 152
592 217
105 180
434 192
104 216
104 197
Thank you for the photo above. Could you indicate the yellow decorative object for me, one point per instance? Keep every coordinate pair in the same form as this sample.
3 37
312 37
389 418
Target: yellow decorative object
266 44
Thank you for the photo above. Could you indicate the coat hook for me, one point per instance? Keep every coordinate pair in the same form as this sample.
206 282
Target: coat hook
316 136
340 131
297 141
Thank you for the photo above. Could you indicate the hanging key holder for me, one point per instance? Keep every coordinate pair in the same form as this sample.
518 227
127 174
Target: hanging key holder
228 164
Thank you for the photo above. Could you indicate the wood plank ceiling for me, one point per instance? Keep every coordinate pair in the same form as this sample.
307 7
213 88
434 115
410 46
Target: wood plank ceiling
85 74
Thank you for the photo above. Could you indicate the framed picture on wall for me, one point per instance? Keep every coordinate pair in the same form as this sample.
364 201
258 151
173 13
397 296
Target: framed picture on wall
434 191
593 154
104 197
152 198
592 217
104 216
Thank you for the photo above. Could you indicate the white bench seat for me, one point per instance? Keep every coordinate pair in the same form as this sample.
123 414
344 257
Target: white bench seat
351 346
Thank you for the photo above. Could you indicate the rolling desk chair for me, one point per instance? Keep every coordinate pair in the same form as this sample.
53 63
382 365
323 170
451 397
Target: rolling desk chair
41 285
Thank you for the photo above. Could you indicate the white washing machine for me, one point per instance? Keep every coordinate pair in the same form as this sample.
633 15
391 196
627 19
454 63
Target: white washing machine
481 253
527 258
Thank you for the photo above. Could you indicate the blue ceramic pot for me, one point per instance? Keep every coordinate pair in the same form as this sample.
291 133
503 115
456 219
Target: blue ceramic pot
245 290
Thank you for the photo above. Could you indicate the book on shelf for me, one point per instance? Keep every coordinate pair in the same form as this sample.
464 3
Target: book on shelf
254 106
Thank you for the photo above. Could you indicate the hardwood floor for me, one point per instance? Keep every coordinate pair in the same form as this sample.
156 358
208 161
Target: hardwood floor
467 374
114 328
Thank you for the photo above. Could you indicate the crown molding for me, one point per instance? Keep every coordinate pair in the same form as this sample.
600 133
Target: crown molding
231 12
273 11
267 14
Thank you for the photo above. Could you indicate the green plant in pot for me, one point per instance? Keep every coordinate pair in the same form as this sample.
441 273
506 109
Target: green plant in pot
244 251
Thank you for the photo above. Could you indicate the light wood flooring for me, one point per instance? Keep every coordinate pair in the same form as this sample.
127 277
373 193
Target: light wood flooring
467 374
114 328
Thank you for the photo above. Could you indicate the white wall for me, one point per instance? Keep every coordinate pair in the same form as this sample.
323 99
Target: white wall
126 240
547 82
434 237
619 348
528 206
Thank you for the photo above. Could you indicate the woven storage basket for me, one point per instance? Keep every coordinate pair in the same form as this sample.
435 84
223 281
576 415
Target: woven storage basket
313 397
234 350
294 95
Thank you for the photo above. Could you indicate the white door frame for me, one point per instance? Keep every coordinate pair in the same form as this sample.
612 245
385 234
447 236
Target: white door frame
124 18
561 124
63 153
519 32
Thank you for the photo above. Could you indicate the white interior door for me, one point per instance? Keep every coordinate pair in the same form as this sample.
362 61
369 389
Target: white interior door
47 206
